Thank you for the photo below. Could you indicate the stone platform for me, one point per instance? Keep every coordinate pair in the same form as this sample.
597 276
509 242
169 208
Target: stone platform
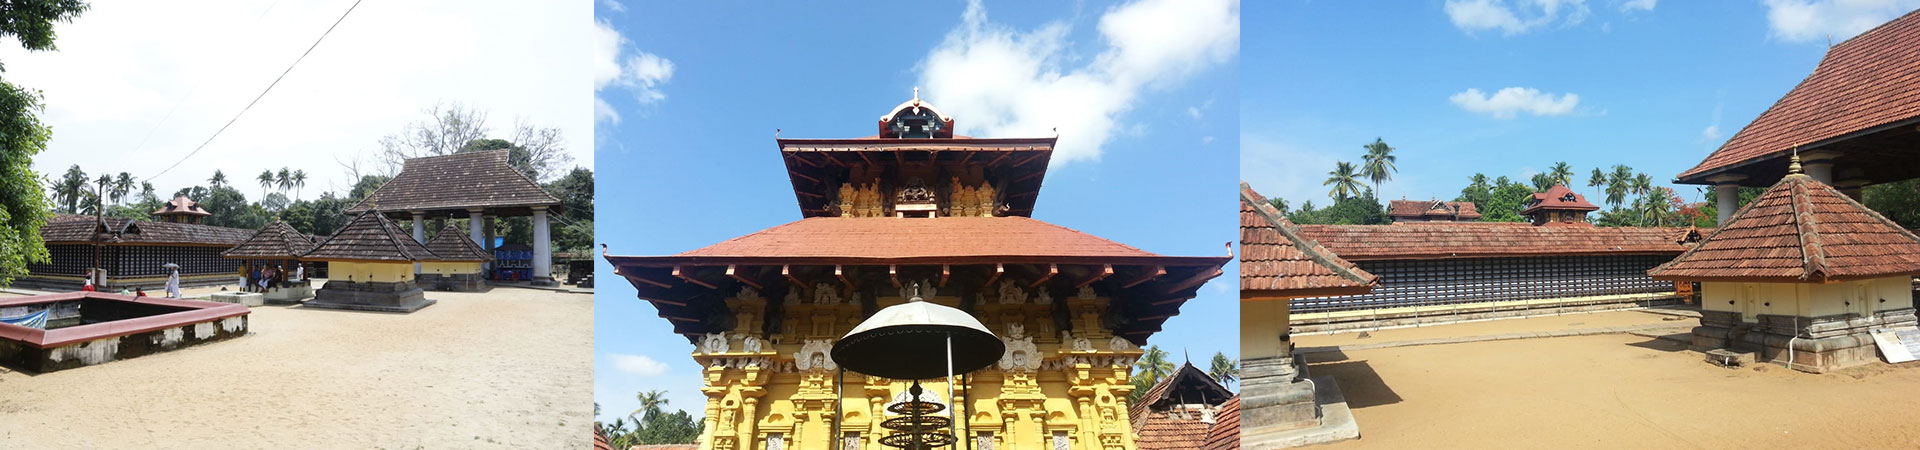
402 297
465 282
1809 344
244 298
1282 407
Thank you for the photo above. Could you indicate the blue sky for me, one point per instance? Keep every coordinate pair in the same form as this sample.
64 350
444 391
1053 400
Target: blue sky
1654 85
689 96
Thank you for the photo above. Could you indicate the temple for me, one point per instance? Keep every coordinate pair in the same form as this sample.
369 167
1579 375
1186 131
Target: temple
1431 211
916 211
1182 412
458 268
1282 405
370 267
480 186
1800 276
1486 269
281 246
131 253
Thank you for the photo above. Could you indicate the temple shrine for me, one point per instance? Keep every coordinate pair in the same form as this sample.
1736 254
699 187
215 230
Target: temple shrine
130 254
916 213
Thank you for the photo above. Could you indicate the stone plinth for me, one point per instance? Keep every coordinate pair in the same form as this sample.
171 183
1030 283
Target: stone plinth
290 294
244 298
456 282
402 296
1274 396
1809 344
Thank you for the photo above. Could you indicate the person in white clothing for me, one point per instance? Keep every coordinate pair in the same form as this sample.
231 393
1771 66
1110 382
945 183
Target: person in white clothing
173 282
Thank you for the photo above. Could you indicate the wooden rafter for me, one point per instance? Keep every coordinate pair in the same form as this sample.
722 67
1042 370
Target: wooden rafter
733 272
1157 272
787 272
682 274
840 272
998 270
1052 269
1106 270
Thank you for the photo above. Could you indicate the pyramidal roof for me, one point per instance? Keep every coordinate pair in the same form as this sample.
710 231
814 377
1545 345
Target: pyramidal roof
277 240
1800 230
370 237
181 205
453 244
1559 197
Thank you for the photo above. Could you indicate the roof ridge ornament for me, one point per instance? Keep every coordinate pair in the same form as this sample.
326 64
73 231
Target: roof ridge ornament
1793 165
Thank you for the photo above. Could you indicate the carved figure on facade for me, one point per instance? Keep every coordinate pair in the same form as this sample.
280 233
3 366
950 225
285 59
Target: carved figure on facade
747 293
1077 343
1086 293
826 294
1043 298
1120 344
1011 293
1021 354
914 192
922 288
751 344
714 343
814 355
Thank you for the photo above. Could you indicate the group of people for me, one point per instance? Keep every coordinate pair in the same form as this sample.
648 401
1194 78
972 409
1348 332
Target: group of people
263 277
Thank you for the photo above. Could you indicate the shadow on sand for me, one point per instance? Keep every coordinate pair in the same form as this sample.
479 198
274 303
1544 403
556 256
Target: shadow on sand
1358 381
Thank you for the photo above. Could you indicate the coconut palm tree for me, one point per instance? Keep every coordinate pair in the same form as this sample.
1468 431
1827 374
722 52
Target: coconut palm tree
1542 182
67 191
122 185
650 402
284 179
1279 204
1642 184
1224 370
1377 165
1153 366
266 181
299 180
1619 184
218 179
1343 180
1561 173
1597 180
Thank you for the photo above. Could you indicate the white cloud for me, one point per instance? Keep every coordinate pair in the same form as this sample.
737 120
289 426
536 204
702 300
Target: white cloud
1001 82
638 365
1813 20
181 69
614 5
1193 112
1638 5
1712 133
616 63
1508 102
1516 16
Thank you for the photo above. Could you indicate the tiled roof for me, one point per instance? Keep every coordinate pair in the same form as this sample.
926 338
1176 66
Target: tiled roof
457 181
181 206
1489 239
1799 230
1187 384
600 439
1225 434
1865 82
454 244
883 240
1425 208
1556 198
370 237
1273 256
1177 431
277 240
82 229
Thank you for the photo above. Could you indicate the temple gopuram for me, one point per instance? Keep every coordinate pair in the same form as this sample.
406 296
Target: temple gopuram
950 216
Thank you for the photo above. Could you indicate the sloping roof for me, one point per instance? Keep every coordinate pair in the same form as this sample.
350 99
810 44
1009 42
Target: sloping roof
1186 385
457 182
832 240
1426 208
370 237
1863 83
1274 259
276 240
1799 230
66 228
181 206
454 244
1171 432
1556 197
600 438
1225 433
1489 239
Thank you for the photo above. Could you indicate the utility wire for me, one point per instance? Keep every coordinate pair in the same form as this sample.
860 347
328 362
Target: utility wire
190 91
263 92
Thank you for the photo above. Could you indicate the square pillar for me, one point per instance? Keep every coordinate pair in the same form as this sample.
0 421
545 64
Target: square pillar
542 249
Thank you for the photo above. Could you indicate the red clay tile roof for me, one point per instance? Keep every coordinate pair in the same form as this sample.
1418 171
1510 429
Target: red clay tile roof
455 244
1799 230
1275 260
1556 198
1425 208
181 206
277 240
457 182
1489 239
600 439
1225 434
1187 384
1171 432
835 240
1863 83
370 237
66 228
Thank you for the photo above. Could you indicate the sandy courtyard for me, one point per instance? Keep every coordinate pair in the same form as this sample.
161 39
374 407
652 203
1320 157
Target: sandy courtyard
511 368
1607 391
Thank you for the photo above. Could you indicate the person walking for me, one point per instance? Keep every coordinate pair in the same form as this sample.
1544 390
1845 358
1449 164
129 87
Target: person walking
173 280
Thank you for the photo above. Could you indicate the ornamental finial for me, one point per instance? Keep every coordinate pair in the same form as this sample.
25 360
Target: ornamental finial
1793 166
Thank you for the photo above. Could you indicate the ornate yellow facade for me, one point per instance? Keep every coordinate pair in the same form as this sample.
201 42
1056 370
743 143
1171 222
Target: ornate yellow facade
1052 389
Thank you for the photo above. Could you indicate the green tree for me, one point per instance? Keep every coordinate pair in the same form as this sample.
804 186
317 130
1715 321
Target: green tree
218 178
122 185
1363 209
1899 201
70 189
1278 203
366 186
575 191
1377 165
1343 180
1542 182
266 181
1153 366
1223 369
1561 174
298 180
650 402
283 179
1619 184
1596 181
24 207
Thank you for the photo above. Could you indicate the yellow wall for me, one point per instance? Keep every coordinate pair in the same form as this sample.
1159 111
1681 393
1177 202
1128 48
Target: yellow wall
449 268
365 271
753 395
1261 325
1807 299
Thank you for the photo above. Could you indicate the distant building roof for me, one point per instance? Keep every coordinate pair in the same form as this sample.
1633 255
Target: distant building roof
181 206
1275 260
451 184
277 240
1432 209
1799 230
70 229
1490 239
453 244
1159 424
1225 433
370 237
1558 197
1862 85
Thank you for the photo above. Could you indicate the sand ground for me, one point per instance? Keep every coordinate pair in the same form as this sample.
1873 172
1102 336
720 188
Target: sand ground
1606 391
511 368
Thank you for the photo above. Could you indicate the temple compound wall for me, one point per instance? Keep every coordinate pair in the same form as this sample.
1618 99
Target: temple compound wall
1813 327
771 383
